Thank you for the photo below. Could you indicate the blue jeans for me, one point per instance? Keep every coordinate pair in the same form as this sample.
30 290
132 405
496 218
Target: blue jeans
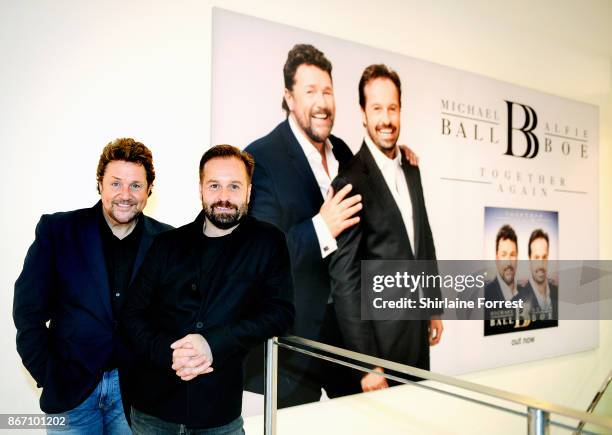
101 413
144 424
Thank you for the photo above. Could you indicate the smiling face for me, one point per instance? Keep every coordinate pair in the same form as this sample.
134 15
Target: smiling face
311 102
506 260
381 115
539 260
124 191
225 191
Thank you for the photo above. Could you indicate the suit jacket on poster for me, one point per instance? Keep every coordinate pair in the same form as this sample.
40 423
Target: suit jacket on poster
380 235
493 291
286 194
244 297
528 293
64 280
504 320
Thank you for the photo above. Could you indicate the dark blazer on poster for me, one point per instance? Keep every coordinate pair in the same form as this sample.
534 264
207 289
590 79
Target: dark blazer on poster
380 235
286 194
64 279
504 320
528 293
242 298
493 291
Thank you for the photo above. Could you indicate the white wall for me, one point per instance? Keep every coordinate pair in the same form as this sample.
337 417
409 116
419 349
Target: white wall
75 75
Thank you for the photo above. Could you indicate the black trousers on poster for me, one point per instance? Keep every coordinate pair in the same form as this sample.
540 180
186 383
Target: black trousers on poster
301 377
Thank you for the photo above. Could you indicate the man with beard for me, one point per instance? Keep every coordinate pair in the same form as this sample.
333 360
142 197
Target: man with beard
393 226
504 286
294 167
206 294
539 291
75 276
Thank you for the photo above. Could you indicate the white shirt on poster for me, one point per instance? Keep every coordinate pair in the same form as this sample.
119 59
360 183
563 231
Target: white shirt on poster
396 181
327 242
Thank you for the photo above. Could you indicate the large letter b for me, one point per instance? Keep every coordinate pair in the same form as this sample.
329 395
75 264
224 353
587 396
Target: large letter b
531 121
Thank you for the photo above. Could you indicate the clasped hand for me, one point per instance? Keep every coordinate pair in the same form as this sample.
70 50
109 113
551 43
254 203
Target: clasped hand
191 357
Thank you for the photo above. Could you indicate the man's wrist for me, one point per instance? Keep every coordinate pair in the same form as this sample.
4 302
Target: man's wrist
327 242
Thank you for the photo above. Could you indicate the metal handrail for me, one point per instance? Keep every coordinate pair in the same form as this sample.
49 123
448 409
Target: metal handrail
538 411
596 399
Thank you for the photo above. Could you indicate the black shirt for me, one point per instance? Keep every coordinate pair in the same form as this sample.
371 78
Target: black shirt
209 251
211 248
119 255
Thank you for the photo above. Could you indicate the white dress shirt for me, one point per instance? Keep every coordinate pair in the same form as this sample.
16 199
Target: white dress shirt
505 289
327 243
396 181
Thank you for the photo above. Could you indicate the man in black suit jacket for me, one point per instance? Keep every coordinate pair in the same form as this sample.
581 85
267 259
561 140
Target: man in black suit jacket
504 287
205 295
75 277
541 294
393 226
294 167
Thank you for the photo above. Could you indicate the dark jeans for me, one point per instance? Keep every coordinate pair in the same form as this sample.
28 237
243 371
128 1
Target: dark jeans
144 424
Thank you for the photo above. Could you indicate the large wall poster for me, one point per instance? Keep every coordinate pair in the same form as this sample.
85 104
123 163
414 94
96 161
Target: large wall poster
482 143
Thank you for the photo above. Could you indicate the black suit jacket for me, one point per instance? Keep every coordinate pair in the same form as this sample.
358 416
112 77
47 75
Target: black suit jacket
528 293
380 235
492 325
504 320
64 280
238 302
286 194
493 291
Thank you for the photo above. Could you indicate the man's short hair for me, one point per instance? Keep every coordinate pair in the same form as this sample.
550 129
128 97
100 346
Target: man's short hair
303 54
505 233
537 234
128 150
225 151
378 71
